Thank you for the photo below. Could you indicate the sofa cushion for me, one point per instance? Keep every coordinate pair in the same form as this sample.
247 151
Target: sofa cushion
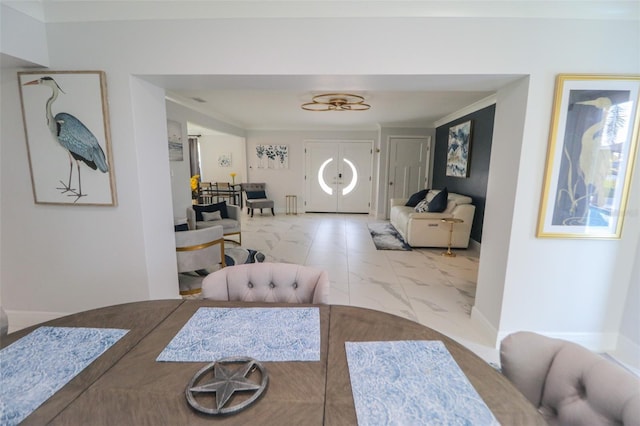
416 198
423 206
438 203
211 216
181 227
209 208
254 195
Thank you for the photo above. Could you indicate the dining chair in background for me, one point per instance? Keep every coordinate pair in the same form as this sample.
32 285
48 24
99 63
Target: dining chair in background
198 252
223 190
268 282
206 192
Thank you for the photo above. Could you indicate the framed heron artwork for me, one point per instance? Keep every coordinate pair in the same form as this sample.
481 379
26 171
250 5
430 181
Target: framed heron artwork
590 157
66 122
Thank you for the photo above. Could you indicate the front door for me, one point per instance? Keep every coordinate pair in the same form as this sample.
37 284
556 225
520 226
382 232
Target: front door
338 176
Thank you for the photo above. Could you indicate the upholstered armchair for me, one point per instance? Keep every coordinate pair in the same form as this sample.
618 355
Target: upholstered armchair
569 384
256 197
204 216
197 252
268 282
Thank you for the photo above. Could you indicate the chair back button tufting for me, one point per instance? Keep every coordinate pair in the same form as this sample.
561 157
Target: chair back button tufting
250 285
295 285
272 285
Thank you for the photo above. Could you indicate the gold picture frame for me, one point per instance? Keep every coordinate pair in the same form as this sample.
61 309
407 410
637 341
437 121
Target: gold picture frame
66 123
590 157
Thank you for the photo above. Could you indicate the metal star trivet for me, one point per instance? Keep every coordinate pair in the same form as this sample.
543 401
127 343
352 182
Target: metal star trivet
227 380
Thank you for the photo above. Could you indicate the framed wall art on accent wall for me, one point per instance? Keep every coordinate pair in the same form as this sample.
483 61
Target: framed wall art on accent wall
592 146
66 122
458 150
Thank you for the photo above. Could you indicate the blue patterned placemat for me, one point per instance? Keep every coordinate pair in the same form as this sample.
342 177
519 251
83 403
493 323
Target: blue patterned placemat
412 383
266 334
36 366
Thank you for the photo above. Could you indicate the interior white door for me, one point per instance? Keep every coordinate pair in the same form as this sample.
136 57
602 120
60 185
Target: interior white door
338 176
408 165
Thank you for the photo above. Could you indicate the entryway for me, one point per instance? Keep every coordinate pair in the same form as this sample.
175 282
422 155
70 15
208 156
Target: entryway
338 176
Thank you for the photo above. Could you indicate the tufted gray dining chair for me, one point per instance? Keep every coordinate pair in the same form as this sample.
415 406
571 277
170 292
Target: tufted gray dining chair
569 384
268 282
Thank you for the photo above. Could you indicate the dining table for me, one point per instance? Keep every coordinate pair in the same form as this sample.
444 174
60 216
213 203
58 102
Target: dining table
233 193
127 385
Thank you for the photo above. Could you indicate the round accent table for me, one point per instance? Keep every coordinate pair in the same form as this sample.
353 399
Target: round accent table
451 221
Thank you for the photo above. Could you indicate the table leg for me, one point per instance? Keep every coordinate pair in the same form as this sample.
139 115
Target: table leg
449 253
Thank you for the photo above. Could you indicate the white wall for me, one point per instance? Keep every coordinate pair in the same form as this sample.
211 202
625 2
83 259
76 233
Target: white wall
22 37
211 147
103 256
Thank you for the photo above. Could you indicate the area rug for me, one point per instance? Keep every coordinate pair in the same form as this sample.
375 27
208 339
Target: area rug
386 237
239 255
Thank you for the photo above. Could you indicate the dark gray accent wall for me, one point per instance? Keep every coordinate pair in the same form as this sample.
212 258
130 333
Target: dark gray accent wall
475 185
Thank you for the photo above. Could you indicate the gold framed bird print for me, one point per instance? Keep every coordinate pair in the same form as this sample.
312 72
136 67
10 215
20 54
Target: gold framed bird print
592 146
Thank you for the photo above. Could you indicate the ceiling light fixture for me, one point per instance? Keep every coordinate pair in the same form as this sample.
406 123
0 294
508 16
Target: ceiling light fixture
336 102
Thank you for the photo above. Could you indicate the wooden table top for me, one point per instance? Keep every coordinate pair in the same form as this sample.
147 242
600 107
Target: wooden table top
126 385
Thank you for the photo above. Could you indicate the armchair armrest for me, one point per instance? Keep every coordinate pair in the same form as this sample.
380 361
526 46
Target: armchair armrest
428 216
398 201
233 211
191 218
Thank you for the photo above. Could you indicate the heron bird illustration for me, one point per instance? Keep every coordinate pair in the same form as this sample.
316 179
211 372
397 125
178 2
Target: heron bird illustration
74 136
594 161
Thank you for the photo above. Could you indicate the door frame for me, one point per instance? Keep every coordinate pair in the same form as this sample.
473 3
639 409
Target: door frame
428 165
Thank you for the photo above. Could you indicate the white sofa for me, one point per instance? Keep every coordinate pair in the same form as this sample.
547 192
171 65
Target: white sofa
427 229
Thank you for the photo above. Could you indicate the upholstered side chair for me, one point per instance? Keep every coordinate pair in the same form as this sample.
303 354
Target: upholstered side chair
256 197
198 218
198 252
268 282
569 384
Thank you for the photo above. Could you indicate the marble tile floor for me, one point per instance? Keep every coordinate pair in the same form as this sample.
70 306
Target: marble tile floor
420 285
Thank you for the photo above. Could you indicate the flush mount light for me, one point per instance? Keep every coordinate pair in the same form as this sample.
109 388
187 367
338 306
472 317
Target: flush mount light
336 102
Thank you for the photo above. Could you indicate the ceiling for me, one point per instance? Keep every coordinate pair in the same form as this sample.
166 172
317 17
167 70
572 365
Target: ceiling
273 102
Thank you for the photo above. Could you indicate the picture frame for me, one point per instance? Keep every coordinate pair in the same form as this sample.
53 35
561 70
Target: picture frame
224 159
459 150
590 156
272 156
174 134
66 124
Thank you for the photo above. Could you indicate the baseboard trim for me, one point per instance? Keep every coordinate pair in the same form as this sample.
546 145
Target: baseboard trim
23 319
484 326
627 352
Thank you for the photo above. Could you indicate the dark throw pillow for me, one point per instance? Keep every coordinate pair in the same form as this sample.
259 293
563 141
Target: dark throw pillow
416 198
181 227
253 195
438 204
210 208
